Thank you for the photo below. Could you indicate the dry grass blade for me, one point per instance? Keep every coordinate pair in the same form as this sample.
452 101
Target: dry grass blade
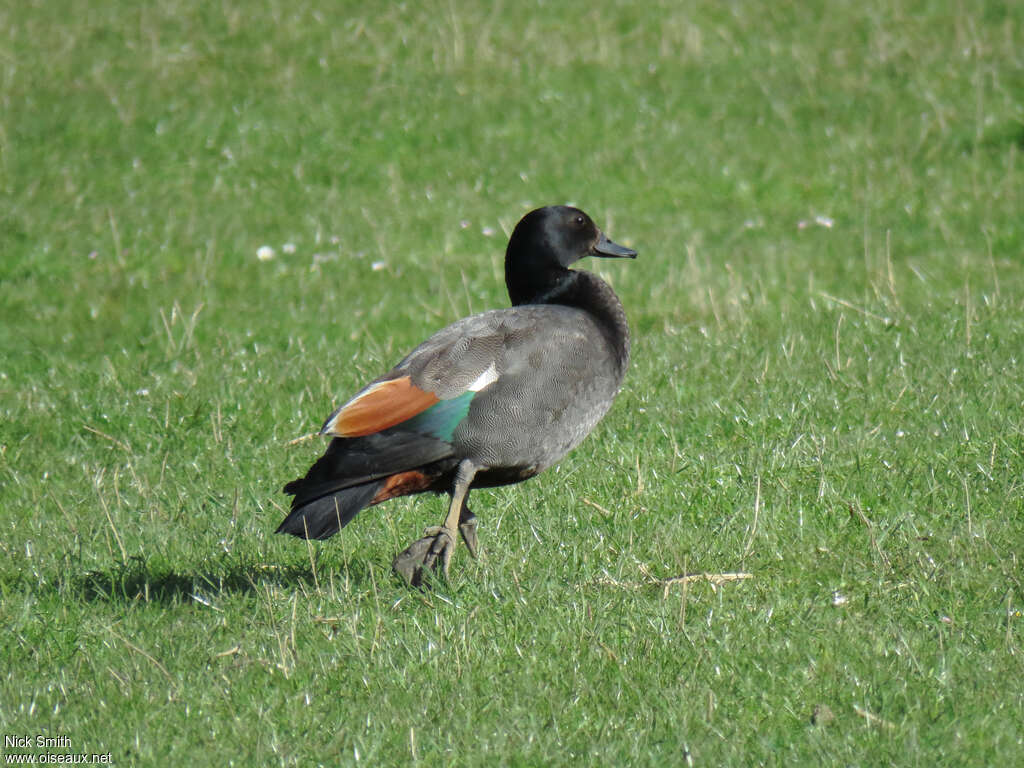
714 579
131 646
119 443
872 719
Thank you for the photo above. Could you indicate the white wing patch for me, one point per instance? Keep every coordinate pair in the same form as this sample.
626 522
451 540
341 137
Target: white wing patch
485 378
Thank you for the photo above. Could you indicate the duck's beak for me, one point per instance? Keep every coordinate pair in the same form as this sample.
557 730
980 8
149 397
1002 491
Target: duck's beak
605 247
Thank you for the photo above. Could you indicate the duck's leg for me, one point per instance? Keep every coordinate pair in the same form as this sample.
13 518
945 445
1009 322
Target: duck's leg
438 543
467 527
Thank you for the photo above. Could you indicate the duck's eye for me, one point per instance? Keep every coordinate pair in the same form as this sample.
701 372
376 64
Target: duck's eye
580 221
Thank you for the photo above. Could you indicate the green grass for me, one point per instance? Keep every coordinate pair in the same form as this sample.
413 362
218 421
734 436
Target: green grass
836 410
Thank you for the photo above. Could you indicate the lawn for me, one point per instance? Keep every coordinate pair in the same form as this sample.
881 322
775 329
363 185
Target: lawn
826 396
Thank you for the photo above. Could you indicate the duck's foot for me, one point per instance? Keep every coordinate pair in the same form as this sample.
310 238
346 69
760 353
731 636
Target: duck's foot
424 555
438 543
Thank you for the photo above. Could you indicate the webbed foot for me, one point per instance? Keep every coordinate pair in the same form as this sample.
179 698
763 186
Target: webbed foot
431 553
434 551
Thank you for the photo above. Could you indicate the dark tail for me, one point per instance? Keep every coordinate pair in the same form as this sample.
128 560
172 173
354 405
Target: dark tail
323 517
348 476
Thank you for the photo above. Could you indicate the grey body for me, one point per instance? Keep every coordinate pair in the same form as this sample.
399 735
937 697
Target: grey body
557 370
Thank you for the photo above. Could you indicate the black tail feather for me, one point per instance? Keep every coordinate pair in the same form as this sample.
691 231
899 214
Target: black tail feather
323 517
360 460
349 474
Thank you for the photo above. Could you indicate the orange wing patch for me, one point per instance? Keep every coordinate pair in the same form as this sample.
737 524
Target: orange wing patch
383 405
402 484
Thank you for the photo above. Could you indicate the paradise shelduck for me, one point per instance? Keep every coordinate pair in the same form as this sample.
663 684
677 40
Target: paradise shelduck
490 400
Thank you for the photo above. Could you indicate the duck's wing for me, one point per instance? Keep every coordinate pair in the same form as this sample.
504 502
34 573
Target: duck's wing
429 392
403 422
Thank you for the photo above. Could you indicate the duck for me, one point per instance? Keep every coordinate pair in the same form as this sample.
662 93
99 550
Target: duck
491 400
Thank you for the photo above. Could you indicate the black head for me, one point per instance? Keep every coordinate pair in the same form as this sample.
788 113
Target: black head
546 242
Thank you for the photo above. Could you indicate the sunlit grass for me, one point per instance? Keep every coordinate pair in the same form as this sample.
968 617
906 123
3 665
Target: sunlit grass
826 389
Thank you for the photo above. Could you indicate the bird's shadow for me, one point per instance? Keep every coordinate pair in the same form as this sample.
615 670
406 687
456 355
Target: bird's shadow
149 580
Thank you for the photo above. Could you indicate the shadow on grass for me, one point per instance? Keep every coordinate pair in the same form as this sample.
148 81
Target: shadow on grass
152 581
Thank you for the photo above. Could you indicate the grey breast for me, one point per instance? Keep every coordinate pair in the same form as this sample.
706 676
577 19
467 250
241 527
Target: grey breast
557 377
